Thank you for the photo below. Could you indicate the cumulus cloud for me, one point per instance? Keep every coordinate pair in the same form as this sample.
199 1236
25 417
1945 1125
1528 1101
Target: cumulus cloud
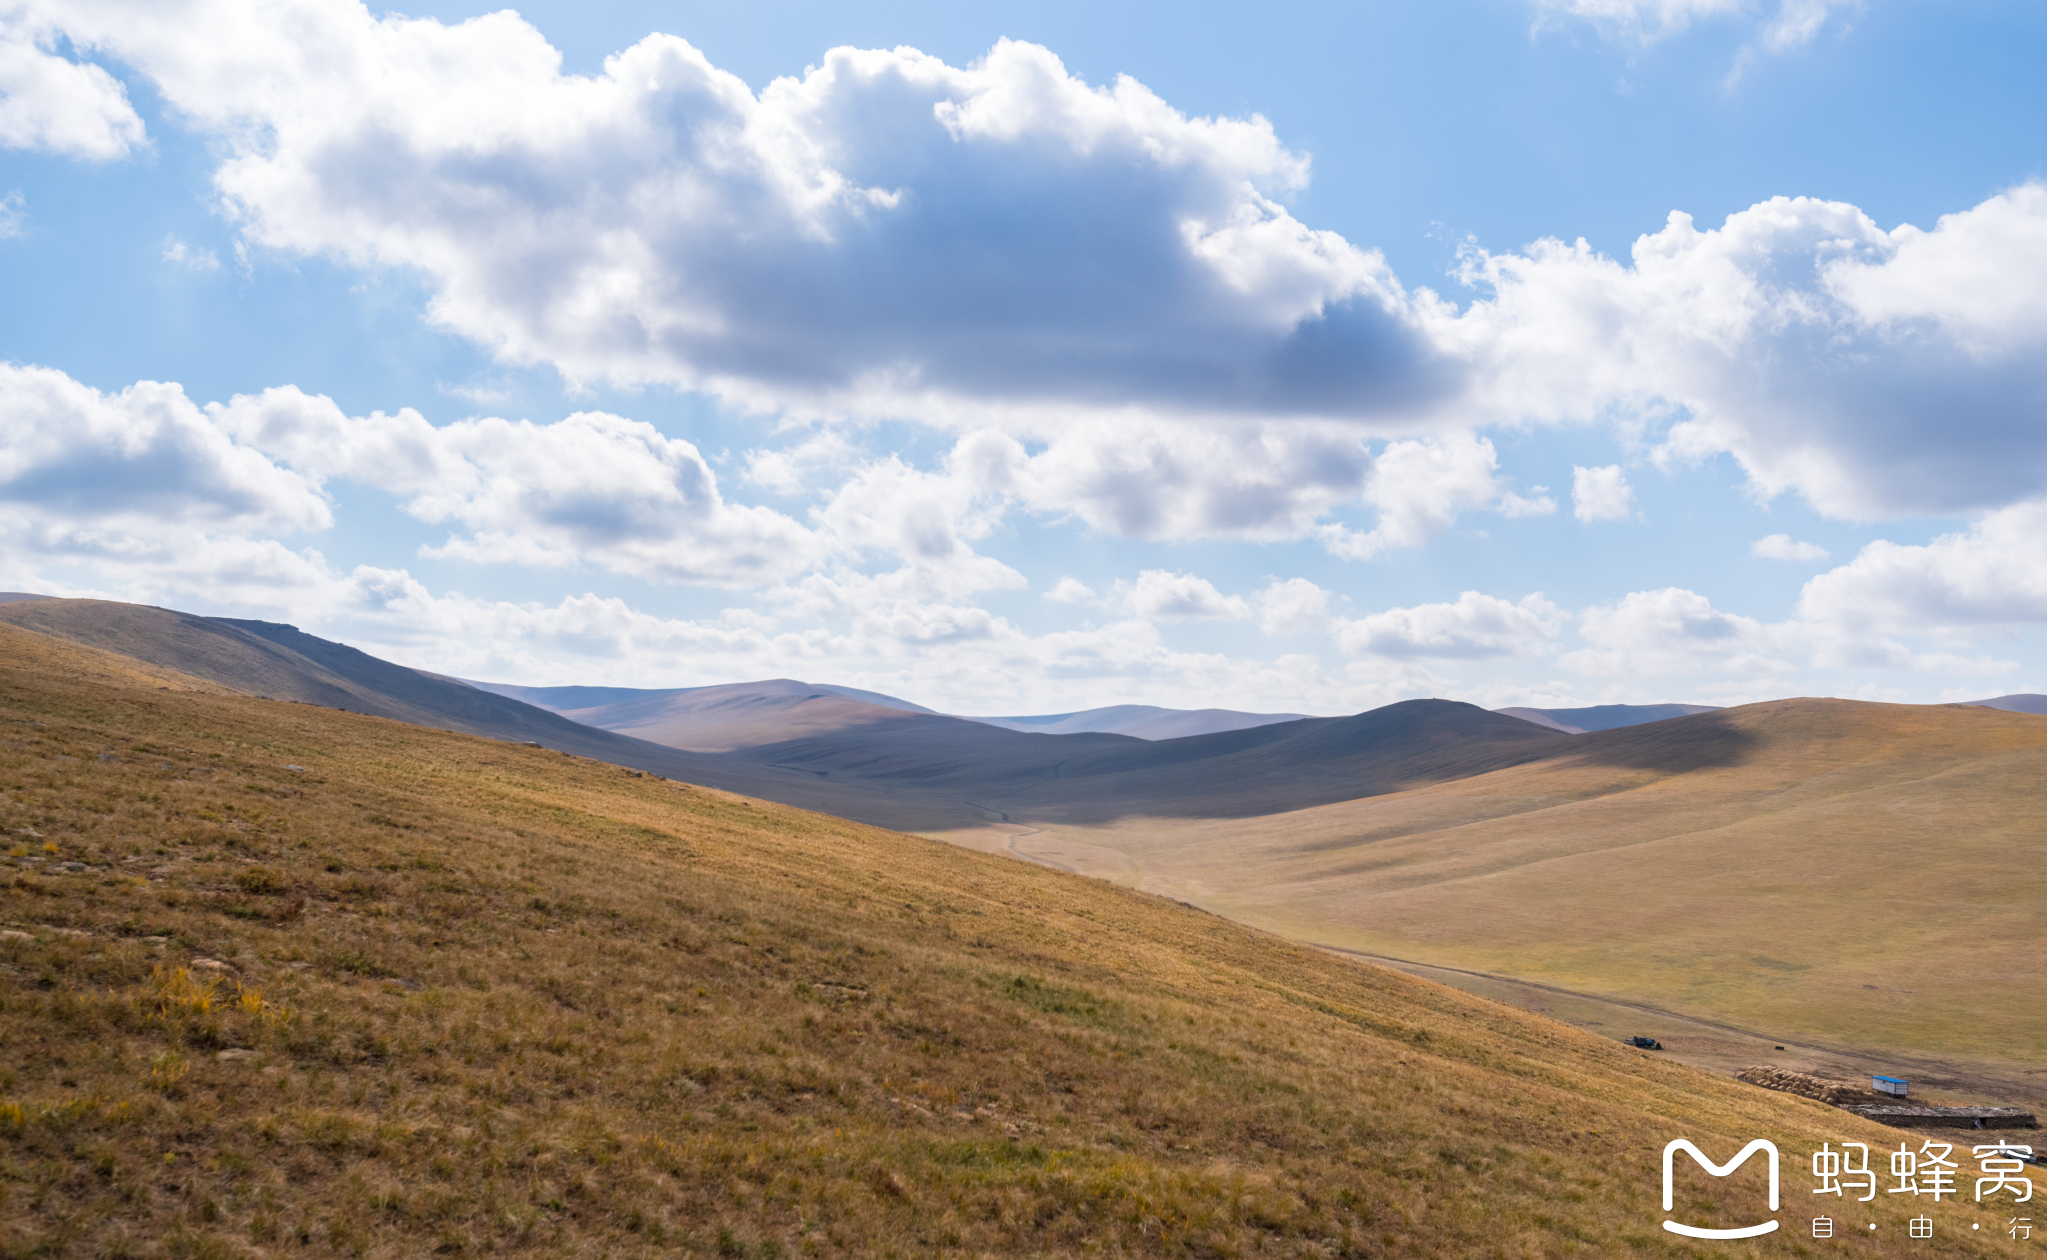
1781 547
1994 575
1675 631
1070 590
1875 373
1158 595
791 470
1002 248
54 105
1601 494
1293 606
1143 478
926 518
1475 627
77 460
592 487
887 234
1420 487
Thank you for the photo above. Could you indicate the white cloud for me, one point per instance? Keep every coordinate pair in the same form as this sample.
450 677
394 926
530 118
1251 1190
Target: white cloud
1070 590
790 470
1145 478
822 245
1676 631
13 215
1994 575
1601 494
55 105
1293 606
1780 547
592 487
1421 487
180 254
928 519
1644 20
483 392
1157 595
820 249
1876 373
78 462
1475 627
1793 24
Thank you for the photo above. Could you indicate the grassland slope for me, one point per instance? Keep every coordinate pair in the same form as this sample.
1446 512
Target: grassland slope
1862 874
282 662
282 980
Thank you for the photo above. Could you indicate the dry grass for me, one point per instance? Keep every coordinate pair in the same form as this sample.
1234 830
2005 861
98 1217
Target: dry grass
1862 875
434 994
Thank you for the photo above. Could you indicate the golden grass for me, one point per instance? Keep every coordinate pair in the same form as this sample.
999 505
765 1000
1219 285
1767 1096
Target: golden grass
1865 875
435 994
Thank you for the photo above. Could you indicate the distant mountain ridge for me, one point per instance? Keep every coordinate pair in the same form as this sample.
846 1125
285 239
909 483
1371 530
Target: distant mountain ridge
2023 702
725 718
565 699
1144 721
1605 717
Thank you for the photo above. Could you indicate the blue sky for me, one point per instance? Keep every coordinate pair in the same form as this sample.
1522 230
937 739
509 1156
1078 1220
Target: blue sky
1030 358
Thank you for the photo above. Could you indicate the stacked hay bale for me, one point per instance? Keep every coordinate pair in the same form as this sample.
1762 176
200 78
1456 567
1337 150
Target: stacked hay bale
1838 1093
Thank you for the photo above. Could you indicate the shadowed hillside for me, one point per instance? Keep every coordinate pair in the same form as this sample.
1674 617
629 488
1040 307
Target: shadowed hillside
281 662
1859 874
1144 721
281 980
1232 774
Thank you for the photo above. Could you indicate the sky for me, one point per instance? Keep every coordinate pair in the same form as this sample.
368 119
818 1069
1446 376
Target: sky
1029 358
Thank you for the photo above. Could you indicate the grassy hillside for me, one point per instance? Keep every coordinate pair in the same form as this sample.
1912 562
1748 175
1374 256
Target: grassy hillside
1863 874
430 993
281 662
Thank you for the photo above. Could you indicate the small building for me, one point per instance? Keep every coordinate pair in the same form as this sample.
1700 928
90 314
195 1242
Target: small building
1889 1085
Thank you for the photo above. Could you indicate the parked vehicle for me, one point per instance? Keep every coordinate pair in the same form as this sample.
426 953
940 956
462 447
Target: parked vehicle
1647 1043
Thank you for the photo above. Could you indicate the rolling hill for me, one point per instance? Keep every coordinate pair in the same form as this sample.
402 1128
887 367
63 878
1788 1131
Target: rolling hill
281 662
724 718
1143 721
278 979
1232 774
737 715
888 764
2023 703
1862 875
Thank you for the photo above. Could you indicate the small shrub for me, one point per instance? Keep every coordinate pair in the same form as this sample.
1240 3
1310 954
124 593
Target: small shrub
180 995
261 881
166 1069
357 963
